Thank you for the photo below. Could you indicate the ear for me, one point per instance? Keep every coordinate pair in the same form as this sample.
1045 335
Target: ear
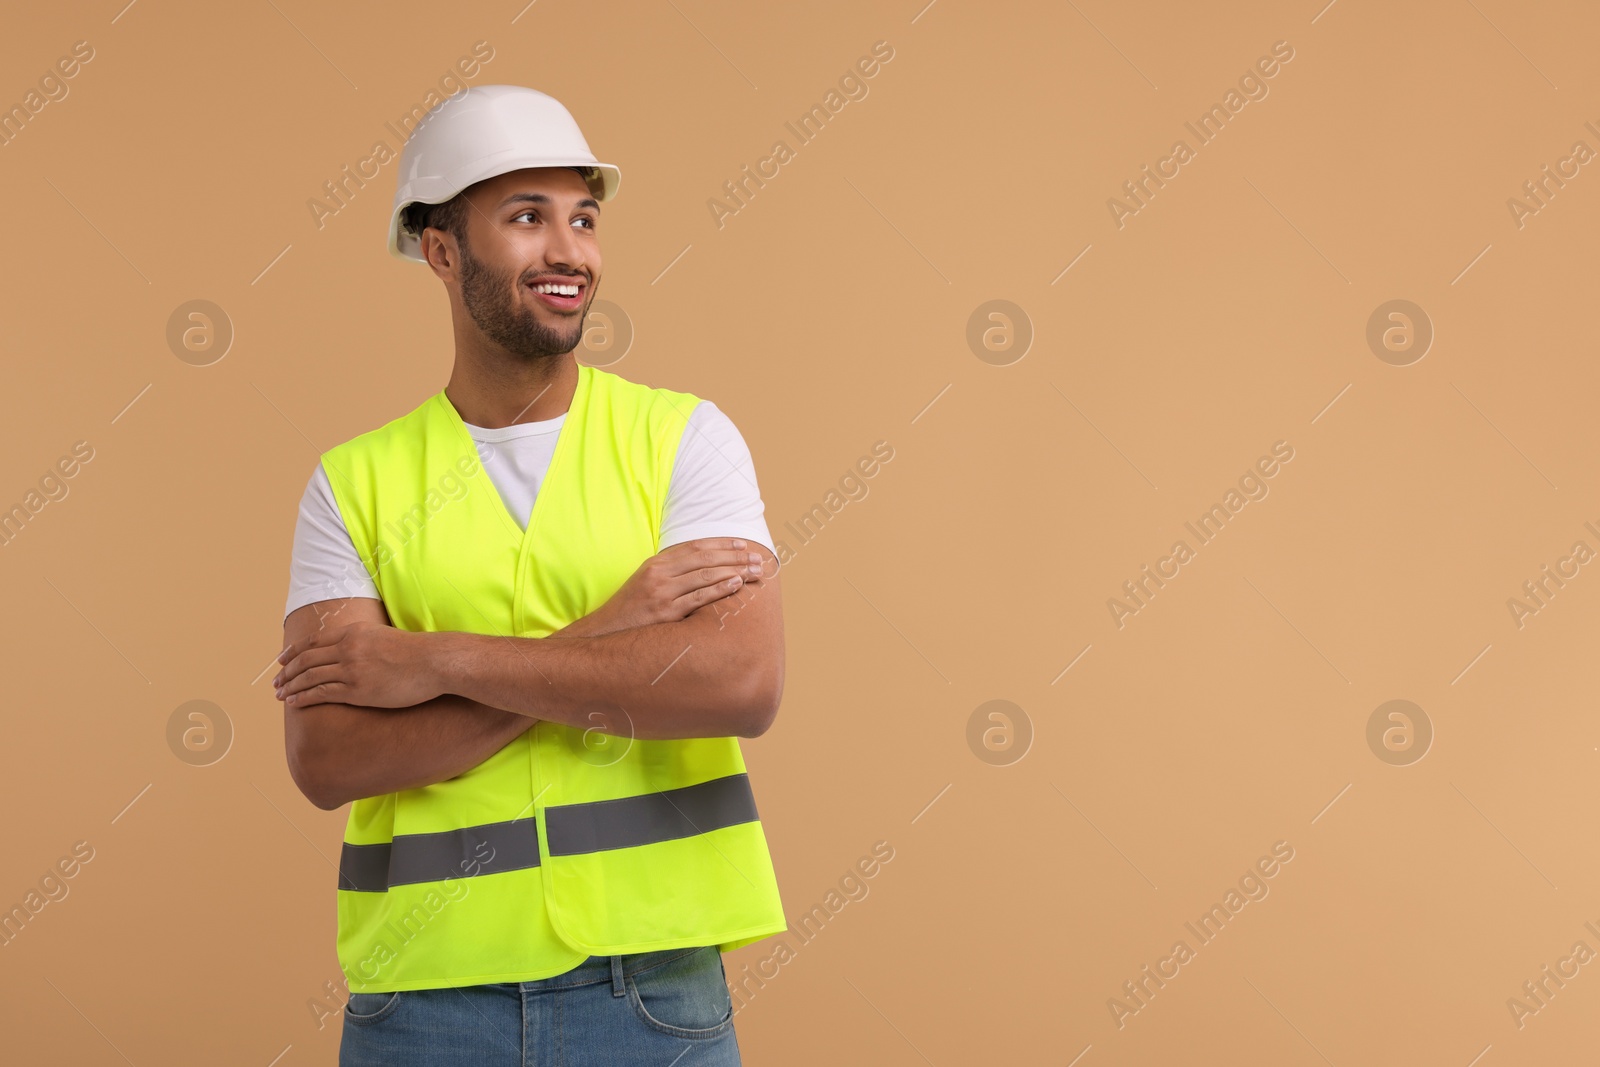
440 250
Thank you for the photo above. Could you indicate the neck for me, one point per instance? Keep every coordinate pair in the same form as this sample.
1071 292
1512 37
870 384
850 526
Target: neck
507 392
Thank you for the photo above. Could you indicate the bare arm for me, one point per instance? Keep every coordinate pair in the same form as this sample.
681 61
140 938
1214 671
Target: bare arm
340 752
343 747
716 673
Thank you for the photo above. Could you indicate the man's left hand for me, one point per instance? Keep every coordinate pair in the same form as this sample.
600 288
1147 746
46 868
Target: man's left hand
366 664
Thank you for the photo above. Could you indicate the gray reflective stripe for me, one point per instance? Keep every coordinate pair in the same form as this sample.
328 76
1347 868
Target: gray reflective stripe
573 829
413 858
666 815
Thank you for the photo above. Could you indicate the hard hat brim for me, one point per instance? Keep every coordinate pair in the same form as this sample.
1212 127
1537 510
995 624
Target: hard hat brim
403 245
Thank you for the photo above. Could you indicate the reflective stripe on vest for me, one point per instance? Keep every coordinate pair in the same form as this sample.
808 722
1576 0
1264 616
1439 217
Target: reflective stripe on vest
566 843
574 829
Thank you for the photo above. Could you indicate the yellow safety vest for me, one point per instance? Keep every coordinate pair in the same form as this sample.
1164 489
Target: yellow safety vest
566 843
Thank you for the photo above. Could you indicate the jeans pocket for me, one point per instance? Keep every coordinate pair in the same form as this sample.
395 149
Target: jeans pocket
364 1009
685 996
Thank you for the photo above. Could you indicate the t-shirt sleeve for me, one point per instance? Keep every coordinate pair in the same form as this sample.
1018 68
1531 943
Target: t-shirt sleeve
324 564
713 492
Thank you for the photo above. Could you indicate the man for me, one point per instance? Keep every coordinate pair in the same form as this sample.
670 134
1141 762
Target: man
527 624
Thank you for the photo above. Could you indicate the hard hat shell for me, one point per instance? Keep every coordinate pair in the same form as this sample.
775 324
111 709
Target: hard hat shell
481 132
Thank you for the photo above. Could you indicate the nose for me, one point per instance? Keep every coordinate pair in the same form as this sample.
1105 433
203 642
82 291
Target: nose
563 252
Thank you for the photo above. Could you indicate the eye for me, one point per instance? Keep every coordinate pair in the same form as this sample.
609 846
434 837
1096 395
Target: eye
581 218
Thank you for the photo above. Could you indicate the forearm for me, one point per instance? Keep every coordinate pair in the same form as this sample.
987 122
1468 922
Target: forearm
690 678
342 752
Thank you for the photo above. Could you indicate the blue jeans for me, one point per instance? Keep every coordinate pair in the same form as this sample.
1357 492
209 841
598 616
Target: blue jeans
667 1008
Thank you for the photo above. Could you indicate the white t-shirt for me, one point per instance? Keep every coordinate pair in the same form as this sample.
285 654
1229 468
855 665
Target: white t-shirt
713 493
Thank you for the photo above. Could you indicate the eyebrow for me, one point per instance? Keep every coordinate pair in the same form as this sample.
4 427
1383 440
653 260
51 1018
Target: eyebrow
540 198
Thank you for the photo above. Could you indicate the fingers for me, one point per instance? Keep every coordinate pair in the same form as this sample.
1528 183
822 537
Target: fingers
297 649
297 690
312 657
317 694
700 596
712 582
714 557
320 639
703 571
300 646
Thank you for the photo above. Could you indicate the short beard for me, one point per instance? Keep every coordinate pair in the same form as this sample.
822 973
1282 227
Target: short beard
508 323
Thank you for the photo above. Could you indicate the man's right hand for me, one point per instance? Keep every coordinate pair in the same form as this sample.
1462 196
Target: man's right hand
672 584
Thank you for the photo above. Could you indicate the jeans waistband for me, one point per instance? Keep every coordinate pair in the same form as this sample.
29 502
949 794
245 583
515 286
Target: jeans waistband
602 969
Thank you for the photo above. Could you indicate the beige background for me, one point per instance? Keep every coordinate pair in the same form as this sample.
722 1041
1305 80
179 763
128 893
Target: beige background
830 313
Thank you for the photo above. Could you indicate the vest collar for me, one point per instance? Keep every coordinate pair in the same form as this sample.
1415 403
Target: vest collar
446 419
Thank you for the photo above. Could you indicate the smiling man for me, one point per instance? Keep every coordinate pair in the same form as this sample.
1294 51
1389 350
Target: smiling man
528 623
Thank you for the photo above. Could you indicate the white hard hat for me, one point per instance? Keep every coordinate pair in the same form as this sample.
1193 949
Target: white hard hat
478 133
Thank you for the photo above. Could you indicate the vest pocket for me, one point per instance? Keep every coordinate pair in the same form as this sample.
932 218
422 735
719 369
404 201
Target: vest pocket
685 996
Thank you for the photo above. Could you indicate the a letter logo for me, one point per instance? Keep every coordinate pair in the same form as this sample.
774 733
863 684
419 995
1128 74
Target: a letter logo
199 733
999 733
607 334
1399 333
999 333
1399 732
199 332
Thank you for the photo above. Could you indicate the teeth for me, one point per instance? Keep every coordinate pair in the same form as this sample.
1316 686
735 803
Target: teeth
559 290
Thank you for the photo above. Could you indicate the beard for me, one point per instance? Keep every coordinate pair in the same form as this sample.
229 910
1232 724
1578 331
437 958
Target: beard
507 321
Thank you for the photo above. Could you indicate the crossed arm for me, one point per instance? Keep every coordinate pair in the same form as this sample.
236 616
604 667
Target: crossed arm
370 709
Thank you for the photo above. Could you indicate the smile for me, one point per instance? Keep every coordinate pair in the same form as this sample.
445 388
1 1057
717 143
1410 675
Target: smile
560 295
